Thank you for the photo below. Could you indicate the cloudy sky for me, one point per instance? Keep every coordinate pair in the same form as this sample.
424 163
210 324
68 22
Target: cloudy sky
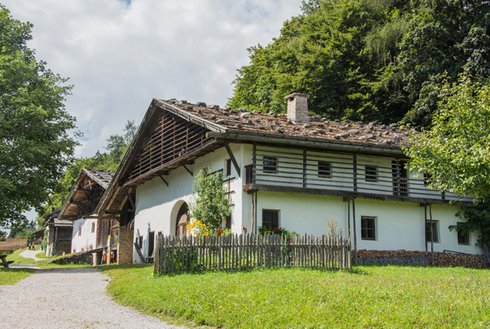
119 54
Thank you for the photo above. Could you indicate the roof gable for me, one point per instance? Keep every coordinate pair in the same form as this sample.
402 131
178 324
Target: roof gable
167 137
86 194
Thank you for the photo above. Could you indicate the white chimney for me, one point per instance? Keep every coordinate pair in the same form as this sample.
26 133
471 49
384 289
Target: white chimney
298 107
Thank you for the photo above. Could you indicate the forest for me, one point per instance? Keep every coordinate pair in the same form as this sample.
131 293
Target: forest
369 60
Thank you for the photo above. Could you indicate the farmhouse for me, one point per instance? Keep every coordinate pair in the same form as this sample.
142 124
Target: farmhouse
58 234
292 171
89 232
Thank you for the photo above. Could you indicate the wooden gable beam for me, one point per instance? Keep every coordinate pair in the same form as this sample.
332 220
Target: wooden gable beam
188 170
233 159
163 179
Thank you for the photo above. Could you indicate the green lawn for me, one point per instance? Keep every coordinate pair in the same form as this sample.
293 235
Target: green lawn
18 259
11 276
368 297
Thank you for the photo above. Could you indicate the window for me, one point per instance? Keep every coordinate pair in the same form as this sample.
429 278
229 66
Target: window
400 177
324 169
79 230
228 168
93 228
270 219
249 174
371 173
228 222
463 237
368 228
435 231
270 164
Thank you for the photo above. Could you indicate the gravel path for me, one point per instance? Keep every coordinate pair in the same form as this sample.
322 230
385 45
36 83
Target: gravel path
31 254
66 299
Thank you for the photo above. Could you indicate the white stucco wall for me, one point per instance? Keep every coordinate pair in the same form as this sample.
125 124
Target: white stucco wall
399 225
87 240
157 204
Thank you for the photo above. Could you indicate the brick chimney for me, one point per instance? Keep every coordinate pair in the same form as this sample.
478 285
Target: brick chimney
298 107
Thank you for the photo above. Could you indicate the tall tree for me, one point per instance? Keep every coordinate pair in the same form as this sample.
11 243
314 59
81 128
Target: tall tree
455 151
368 59
35 145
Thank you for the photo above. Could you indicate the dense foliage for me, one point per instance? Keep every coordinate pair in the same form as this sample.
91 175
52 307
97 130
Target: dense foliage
368 59
211 204
35 146
455 152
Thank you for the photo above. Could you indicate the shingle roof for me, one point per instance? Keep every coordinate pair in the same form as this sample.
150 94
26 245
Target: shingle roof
101 177
278 124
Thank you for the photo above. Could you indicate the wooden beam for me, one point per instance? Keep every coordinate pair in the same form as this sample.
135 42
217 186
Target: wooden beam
163 179
131 201
233 159
250 188
309 143
188 170
166 167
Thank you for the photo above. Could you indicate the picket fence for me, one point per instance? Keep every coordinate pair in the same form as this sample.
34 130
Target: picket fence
240 252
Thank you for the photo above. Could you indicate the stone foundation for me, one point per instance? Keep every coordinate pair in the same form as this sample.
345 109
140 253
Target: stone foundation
79 258
417 258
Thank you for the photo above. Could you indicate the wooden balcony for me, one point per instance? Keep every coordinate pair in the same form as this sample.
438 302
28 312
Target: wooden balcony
343 174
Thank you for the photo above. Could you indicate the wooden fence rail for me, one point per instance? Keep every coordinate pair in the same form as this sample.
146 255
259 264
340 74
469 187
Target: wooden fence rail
237 252
11 244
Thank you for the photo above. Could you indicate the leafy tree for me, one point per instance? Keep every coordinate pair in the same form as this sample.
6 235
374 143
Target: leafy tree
368 59
35 145
455 151
211 204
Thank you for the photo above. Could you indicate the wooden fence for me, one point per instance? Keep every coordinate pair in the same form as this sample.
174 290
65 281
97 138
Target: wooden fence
237 252
11 244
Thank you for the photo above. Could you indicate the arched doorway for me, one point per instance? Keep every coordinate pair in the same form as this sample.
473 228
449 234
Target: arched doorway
182 220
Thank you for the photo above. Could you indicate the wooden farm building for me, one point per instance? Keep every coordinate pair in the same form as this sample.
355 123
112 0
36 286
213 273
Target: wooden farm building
58 234
90 233
293 171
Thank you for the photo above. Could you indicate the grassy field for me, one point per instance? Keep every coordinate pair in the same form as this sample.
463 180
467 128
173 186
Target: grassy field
368 297
11 276
18 259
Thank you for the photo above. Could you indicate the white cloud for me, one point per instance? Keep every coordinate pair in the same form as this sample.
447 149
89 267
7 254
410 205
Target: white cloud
119 57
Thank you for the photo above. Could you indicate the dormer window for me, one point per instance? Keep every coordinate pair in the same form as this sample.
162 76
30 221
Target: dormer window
371 173
270 164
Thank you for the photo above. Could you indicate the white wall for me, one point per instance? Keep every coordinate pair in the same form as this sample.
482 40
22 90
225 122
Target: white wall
399 225
303 213
87 240
157 204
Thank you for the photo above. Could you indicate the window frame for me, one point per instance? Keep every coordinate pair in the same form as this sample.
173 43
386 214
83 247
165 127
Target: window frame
369 177
325 172
365 231
435 233
272 166
228 168
276 211
463 238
